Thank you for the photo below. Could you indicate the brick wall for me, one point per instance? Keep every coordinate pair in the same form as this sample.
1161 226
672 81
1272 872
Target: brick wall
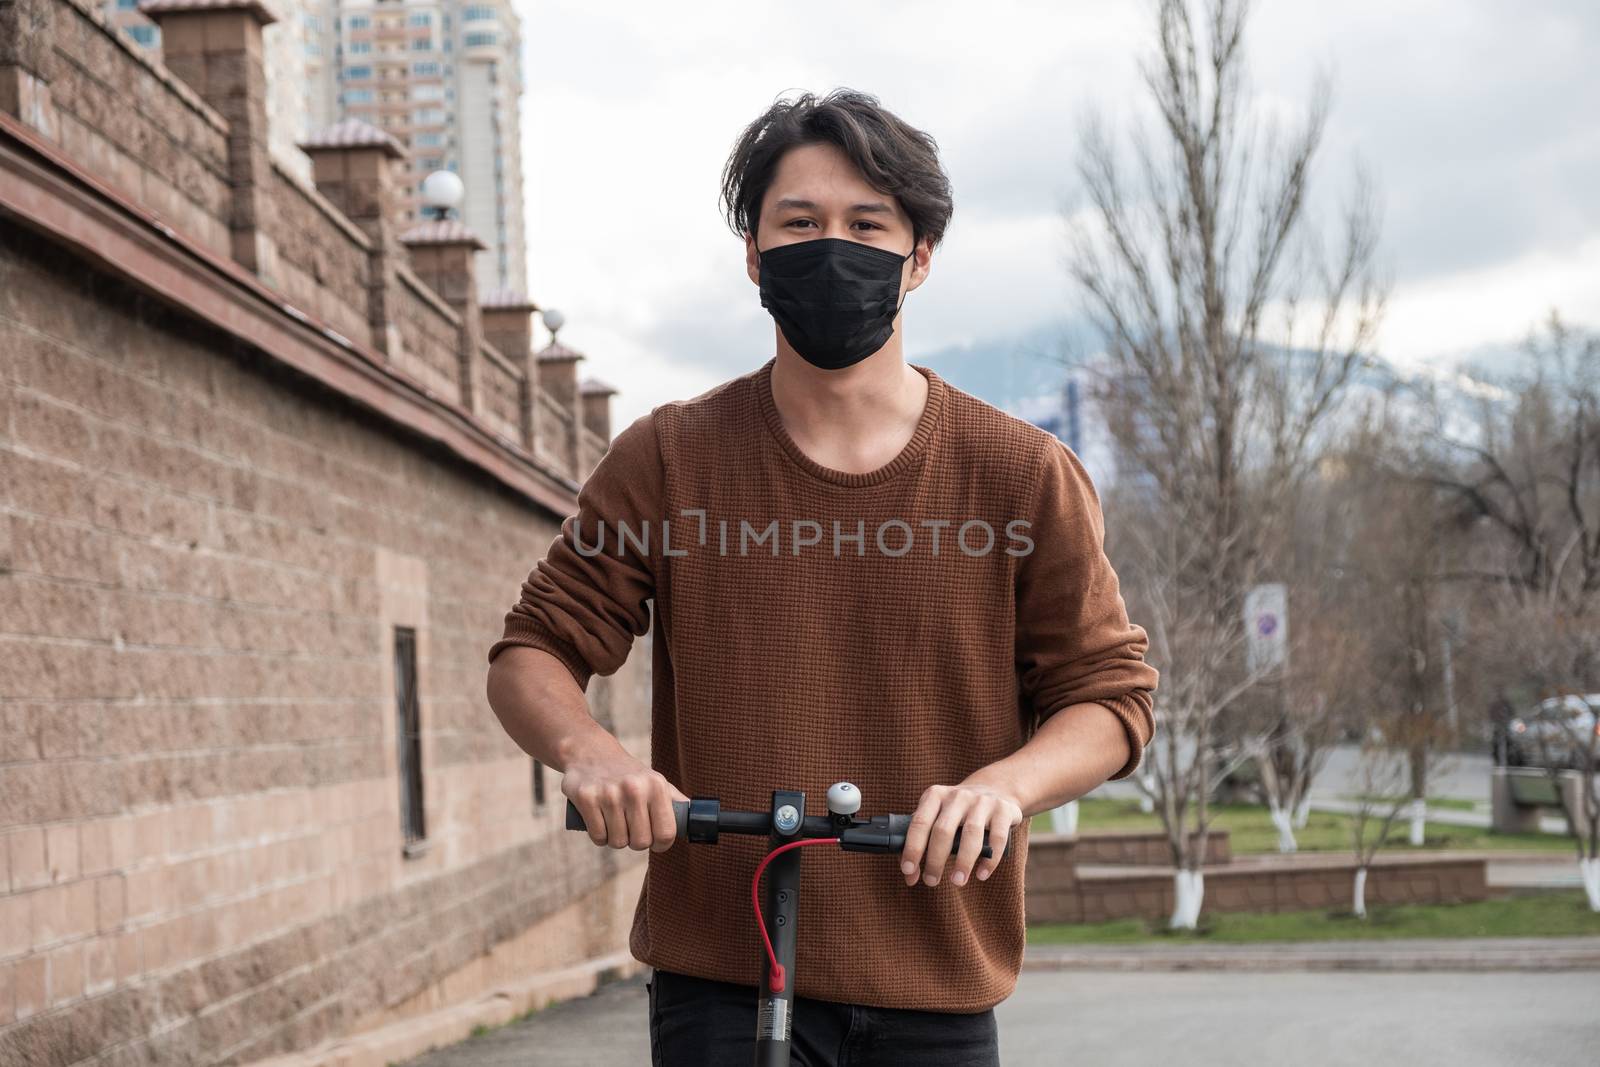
204 556
429 329
556 427
241 442
1136 849
186 143
322 258
501 383
1286 887
1061 888
140 129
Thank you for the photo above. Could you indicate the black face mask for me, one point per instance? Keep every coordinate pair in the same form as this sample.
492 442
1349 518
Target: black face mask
835 300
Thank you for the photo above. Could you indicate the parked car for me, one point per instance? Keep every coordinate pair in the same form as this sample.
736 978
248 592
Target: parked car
1562 731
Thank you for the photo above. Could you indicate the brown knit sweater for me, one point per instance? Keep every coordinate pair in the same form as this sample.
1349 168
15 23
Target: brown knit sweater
788 657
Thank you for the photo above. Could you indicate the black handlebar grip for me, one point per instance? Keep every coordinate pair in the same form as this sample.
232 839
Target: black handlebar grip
680 813
985 852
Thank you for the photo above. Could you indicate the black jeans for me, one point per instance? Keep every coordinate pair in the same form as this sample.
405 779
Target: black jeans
697 1022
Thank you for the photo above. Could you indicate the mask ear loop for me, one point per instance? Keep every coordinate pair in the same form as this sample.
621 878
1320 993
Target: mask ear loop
903 258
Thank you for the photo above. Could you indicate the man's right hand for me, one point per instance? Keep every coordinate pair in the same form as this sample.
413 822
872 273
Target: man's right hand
624 803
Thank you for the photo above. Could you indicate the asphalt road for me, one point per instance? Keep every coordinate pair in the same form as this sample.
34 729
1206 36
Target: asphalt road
1312 1020
1192 1018
1463 776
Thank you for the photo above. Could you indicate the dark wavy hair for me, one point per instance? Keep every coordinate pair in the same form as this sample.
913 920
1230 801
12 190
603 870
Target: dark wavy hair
895 158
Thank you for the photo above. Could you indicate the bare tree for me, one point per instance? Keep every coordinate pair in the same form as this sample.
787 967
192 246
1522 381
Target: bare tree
1187 264
1528 482
1530 475
1393 571
1323 686
1189 755
1230 337
1385 766
1412 538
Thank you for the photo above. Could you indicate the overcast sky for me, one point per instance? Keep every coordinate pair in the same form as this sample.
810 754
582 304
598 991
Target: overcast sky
1476 117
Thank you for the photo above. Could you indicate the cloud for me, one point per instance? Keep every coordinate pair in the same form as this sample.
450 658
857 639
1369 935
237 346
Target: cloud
1475 117
1447 315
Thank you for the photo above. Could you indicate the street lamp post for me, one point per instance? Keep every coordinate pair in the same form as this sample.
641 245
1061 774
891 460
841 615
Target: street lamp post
441 191
553 321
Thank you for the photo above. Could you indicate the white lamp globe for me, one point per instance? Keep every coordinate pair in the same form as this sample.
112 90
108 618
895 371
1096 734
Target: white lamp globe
553 320
442 190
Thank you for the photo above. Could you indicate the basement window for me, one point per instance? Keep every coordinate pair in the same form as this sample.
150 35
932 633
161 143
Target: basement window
408 740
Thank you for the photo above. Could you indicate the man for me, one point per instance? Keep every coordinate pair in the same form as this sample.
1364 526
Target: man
859 573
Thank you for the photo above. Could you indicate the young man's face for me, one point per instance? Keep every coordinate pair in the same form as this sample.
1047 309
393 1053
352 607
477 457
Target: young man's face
817 192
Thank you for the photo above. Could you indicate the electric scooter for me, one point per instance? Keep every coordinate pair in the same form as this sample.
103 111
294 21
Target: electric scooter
787 828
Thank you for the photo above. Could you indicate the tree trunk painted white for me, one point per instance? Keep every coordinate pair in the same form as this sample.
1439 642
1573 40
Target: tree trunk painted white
1189 888
1284 821
1589 869
1358 903
1419 821
1302 812
1064 819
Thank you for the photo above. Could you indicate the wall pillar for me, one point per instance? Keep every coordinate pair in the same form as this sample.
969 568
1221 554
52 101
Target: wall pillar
508 326
361 170
215 46
558 376
595 404
442 254
27 36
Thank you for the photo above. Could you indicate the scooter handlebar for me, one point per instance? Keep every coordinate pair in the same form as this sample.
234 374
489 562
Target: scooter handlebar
884 834
680 814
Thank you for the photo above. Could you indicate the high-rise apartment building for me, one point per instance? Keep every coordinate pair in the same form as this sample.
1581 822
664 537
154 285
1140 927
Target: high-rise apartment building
445 79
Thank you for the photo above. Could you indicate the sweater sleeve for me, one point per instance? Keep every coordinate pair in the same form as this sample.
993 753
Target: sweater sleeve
587 599
1074 642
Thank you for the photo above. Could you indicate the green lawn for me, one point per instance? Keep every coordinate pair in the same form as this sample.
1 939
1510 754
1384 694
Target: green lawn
1251 830
1561 914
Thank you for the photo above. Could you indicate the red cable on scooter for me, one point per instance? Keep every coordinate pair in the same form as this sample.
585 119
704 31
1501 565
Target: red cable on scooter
775 974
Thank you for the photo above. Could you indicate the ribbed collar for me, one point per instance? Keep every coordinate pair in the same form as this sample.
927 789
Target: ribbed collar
920 438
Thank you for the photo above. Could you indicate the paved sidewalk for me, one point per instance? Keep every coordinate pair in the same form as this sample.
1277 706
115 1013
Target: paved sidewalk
1534 872
1197 1020
605 1028
1549 824
1504 954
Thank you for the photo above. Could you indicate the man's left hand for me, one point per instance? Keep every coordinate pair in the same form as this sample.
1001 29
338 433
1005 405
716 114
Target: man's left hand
970 807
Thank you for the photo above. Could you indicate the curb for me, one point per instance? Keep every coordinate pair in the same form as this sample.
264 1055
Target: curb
1488 954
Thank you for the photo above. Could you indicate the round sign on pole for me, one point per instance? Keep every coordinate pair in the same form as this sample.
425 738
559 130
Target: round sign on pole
1266 625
